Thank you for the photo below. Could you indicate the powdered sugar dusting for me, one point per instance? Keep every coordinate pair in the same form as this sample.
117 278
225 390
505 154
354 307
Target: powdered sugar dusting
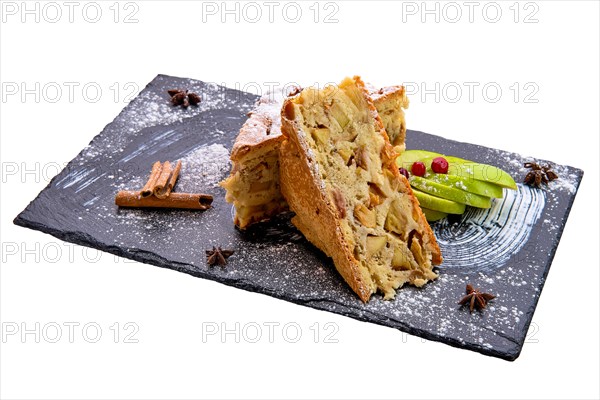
465 243
208 165
150 108
566 181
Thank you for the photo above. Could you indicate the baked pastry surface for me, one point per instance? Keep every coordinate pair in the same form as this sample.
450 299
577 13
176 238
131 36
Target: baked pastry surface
253 185
339 177
391 102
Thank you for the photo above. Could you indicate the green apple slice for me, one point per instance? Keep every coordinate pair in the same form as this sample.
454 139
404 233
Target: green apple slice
408 157
477 171
468 185
459 167
450 193
433 215
435 203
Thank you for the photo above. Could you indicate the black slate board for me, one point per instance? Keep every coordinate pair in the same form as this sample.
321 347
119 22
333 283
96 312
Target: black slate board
274 259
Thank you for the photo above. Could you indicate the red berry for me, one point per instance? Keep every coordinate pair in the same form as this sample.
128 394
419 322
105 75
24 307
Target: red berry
404 172
418 169
439 165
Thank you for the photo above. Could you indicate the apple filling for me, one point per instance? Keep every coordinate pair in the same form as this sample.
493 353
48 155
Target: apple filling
253 188
390 103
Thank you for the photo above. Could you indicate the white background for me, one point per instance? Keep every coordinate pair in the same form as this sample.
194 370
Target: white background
558 55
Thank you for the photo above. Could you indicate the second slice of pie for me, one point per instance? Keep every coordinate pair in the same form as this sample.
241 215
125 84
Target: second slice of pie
339 177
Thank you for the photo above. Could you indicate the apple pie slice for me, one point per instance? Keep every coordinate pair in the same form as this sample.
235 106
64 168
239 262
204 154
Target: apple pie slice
253 185
338 175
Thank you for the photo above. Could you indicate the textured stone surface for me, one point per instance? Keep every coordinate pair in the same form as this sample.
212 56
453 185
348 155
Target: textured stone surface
274 259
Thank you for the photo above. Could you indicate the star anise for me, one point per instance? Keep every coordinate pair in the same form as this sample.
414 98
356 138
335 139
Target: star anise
539 174
217 256
184 98
475 299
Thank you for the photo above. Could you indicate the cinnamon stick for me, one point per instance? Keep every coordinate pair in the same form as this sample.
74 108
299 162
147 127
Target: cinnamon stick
148 188
163 179
161 193
188 201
